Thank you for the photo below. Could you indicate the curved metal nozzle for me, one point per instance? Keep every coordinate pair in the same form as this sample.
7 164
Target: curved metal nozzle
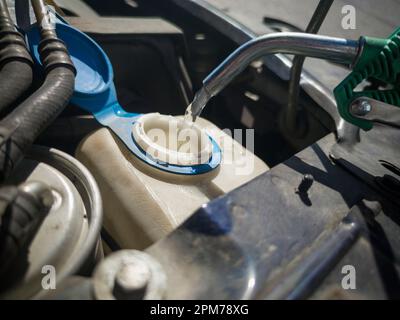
199 102
301 44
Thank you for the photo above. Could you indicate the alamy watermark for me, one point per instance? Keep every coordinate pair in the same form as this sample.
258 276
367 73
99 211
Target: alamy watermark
176 145
349 20
49 280
349 280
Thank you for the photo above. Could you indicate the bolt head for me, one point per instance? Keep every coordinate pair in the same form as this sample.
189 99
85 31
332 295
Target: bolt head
361 108
131 281
305 184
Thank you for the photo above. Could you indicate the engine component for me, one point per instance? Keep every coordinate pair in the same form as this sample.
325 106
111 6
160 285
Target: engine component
25 123
162 200
129 275
68 239
375 111
15 61
23 211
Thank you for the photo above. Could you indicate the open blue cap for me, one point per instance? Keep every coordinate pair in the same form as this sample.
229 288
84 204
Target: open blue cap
95 92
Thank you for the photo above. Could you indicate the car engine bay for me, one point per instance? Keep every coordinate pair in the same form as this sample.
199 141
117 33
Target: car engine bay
292 182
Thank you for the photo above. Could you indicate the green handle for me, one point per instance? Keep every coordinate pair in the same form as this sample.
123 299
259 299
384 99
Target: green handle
379 59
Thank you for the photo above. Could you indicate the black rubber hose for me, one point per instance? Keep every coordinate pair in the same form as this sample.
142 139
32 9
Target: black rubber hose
15 80
15 61
22 14
21 128
22 212
292 111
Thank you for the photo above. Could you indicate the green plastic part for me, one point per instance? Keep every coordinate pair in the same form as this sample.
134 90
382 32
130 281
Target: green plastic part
380 59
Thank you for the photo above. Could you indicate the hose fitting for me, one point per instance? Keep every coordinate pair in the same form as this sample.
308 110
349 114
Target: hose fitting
12 43
22 127
15 61
54 54
53 51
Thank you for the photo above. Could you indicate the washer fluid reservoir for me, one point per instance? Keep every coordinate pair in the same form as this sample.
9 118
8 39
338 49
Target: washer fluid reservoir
178 167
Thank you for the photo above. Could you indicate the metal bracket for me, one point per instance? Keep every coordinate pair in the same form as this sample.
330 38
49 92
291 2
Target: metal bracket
379 60
375 111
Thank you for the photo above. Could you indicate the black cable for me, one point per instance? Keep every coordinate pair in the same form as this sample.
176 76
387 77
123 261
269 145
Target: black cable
22 14
292 111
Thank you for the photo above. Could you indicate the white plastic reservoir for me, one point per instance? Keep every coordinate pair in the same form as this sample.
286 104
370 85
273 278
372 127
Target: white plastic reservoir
142 203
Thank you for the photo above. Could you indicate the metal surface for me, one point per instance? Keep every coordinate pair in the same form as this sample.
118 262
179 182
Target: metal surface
376 111
291 113
141 273
306 277
39 191
329 48
78 7
371 157
131 281
69 236
72 288
259 240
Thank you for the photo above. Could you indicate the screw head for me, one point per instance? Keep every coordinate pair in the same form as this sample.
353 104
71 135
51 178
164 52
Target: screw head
131 281
305 184
361 108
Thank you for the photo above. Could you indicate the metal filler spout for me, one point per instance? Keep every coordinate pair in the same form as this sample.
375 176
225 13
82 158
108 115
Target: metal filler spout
329 48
